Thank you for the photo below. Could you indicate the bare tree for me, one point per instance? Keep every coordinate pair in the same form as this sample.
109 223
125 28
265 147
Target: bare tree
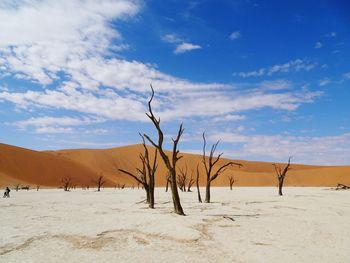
210 174
37 187
190 182
146 175
170 163
281 174
181 179
66 183
232 181
17 187
197 184
100 182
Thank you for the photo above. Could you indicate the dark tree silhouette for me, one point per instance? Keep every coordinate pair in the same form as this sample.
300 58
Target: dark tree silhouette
232 181
146 175
37 187
181 179
281 174
170 163
197 184
66 183
100 182
190 182
17 187
211 175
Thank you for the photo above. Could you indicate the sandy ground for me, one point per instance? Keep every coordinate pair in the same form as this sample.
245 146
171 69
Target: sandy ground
243 225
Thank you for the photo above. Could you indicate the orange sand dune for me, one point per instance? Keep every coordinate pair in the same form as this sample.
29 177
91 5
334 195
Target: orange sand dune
18 165
27 167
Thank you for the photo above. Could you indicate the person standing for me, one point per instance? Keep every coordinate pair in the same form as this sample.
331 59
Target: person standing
7 192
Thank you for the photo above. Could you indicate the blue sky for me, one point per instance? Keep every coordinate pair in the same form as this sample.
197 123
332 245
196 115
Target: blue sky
269 78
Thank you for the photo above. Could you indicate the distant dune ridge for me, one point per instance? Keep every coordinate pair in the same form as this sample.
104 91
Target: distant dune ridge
84 166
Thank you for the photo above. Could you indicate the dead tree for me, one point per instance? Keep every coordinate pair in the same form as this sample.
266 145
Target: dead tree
281 174
170 163
66 183
197 184
150 170
146 175
232 181
100 182
342 187
211 175
190 183
37 188
17 187
140 178
181 179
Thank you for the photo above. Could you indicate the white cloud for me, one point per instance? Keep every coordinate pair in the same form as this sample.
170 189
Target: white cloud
324 82
318 44
55 121
171 38
323 150
291 66
331 34
347 75
229 117
186 47
71 41
235 35
53 130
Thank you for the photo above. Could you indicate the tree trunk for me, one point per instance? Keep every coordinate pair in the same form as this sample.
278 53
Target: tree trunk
280 185
207 193
198 191
151 192
175 194
167 185
230 186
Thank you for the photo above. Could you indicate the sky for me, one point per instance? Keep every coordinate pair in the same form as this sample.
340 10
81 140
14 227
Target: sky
269 79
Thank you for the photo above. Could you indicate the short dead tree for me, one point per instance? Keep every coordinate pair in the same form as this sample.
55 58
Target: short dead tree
181 179
100 182
232 181
37 187
209 164
342 187
197 184
281 174
17 187
170 163
66 183
147 174
190 183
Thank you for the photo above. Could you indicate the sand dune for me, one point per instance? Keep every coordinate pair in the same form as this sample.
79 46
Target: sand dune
19 165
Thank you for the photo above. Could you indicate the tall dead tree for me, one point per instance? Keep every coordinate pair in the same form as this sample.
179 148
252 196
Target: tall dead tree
100 182
147 174
170 163
281 174
232 181
197 184
211 175
66 183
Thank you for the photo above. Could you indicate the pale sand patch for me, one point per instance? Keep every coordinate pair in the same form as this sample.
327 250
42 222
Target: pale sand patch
243 225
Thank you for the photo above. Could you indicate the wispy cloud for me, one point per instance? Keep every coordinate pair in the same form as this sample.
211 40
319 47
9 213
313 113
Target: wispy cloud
323 150
324 82
331 34
291 66
318 44
186 47
235 35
